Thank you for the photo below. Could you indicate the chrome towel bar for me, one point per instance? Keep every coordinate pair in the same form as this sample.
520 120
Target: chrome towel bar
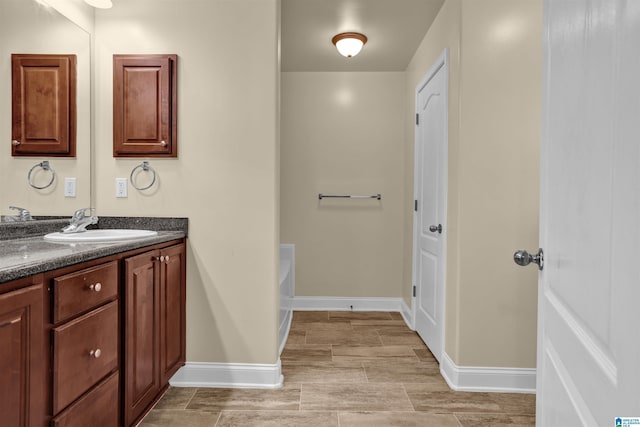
348 196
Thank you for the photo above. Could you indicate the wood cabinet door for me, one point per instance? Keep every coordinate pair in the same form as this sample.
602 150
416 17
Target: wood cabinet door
172 311
43 105
144 106
22 357
141 353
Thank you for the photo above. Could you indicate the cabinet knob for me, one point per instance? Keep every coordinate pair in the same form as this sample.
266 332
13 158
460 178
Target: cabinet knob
95 287
15 142
166 258
160 258
95 353
163 143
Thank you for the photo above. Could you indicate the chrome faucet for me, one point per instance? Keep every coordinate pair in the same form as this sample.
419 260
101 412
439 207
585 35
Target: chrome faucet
79 221
23 215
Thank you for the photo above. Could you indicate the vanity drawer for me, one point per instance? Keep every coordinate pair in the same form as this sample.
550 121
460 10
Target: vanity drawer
85 350
83 290
98 408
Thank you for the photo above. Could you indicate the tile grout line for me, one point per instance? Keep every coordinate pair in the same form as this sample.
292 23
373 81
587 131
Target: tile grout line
191 398
218 419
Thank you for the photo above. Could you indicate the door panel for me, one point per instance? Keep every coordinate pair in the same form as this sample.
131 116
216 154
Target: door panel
590 204
430 190
142 334
172 311
428 276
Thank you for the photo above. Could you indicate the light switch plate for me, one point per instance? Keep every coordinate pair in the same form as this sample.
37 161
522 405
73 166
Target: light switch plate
69 187
121 187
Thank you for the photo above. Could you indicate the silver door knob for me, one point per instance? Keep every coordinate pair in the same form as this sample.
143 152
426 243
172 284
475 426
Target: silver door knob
523 258
434 228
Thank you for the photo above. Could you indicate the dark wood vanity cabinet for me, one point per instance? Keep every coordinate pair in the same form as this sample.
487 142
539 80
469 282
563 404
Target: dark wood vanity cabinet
93 343
43 105
154 326
22 355
145 106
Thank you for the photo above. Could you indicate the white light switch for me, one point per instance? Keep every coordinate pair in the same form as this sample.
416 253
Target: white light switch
69 187
121 187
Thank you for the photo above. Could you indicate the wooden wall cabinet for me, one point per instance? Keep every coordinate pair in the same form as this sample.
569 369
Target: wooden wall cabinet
22 356
43 105
154 326
145 106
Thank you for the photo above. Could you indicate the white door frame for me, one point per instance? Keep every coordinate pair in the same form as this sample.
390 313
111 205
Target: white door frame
441 62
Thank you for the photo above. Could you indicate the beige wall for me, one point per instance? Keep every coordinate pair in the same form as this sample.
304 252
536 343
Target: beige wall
226 176
342 133
30 27
494 133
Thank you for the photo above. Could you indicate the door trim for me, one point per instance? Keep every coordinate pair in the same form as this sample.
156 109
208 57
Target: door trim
442 61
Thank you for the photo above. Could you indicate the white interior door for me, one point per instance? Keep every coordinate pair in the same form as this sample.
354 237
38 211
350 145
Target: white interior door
589 299
430 214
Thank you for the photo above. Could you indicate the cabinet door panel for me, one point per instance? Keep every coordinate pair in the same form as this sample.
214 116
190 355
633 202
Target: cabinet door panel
142 379
172 311
43 105
21 357
144 105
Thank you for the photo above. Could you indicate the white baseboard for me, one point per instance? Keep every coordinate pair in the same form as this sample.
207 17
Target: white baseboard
407 315
283 332
347 304
228 375
502 380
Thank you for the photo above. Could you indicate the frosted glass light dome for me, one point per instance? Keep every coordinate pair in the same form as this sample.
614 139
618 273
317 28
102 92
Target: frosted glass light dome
349 44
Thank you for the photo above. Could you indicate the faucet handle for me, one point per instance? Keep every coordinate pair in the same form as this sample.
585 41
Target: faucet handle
23 213
81 213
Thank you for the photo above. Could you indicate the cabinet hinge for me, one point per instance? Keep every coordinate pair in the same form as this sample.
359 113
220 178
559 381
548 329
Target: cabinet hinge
415 205
414 291
417 119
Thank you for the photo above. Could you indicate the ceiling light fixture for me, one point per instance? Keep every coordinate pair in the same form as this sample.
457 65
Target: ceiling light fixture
100 4
348 44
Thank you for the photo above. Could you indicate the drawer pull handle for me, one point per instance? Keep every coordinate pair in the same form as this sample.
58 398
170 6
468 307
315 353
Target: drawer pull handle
95 353
95 287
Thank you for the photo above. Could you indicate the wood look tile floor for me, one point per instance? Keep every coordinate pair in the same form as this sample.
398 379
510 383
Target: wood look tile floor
347 369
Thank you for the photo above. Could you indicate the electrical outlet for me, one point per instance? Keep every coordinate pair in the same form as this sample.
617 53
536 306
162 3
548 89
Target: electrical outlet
69 187
121 187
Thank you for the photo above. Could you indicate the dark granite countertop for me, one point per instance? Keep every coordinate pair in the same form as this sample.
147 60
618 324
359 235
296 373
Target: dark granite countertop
24 256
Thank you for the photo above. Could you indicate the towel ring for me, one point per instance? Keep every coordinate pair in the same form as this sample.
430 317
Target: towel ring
145 167
47 167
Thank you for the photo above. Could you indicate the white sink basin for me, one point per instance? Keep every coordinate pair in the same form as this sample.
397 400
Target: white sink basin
96 236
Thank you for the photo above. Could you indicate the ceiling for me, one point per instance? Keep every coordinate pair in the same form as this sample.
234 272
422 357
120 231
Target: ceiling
394 28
